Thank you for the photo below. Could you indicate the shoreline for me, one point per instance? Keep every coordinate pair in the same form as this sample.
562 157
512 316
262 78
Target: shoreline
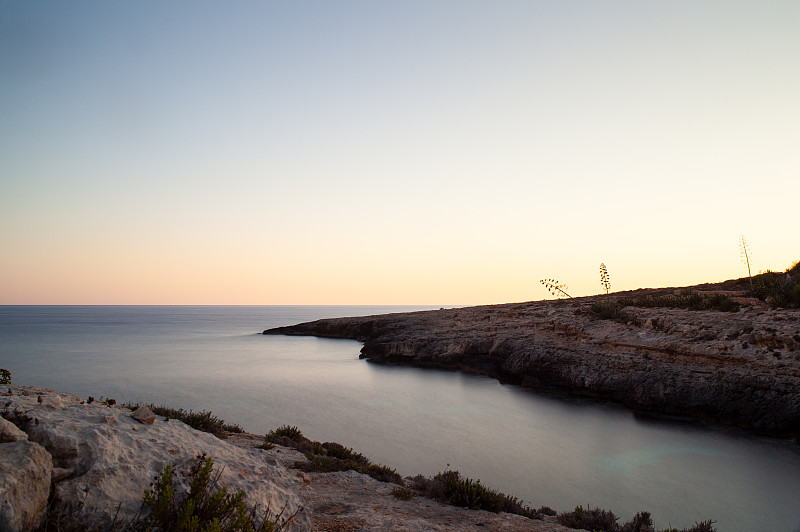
730 368
87 463
75 464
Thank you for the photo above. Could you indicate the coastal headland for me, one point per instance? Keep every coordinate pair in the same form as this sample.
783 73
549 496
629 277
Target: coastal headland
739 367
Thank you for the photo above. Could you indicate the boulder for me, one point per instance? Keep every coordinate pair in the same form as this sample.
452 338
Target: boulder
24 484
144 415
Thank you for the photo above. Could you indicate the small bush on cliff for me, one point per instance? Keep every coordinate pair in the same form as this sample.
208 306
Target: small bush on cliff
594 519
205 507
286 431
777 289
702 526
289 436
328 457
330 464
599 520
5 376
470 493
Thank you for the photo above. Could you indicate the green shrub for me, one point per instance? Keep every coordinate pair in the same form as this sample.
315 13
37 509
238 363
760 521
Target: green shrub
599 520
344 453
594 519
702 526
778 289
381 472
472 494
5 376
330 464
290 436
324 464
286 431
641 522
205 507
328 457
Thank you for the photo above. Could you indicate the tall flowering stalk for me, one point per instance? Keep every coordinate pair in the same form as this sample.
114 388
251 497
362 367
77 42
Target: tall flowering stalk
605 279
744 252
555 288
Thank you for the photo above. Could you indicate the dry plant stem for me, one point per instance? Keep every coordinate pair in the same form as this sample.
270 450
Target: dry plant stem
746 257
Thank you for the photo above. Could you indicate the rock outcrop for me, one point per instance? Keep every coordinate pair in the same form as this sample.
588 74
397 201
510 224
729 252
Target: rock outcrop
740 368
25 469
98 460
103 459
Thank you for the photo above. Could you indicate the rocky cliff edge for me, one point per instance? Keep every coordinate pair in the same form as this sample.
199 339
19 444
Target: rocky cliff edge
740 368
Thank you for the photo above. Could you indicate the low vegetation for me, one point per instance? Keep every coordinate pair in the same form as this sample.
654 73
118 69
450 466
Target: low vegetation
206 506
599 520
468 493
778 289
687 299
614 309
328 457
203 420
448 487
5 376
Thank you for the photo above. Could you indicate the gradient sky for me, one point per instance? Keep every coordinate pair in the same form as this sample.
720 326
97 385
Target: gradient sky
391 152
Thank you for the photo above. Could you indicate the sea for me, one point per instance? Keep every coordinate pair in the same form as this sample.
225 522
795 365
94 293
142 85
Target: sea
546 450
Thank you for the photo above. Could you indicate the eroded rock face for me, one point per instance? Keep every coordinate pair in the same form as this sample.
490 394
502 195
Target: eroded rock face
740 368
24 484
106 458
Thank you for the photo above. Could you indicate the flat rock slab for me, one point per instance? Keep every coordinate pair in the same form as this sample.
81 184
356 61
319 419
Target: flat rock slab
107 458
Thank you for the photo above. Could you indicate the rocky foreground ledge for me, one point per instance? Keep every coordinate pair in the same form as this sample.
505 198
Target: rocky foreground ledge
91 462
740 368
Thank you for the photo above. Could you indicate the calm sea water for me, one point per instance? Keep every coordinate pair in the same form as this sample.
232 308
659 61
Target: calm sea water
545 450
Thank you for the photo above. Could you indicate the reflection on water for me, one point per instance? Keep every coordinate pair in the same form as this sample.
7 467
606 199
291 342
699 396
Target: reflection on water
549 451
629 463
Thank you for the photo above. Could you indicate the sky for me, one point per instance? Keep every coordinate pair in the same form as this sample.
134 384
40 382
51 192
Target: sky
392 152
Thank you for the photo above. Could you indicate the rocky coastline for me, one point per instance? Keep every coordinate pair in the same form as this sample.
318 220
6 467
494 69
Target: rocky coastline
69 463
737 368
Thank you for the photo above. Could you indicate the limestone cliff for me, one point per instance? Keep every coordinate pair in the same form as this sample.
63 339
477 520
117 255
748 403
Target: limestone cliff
740 368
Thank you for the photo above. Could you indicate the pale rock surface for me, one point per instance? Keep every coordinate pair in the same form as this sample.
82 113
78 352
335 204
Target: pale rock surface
24 484
109 458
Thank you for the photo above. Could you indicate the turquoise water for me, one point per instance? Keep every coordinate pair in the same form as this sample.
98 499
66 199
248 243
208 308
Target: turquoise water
546 450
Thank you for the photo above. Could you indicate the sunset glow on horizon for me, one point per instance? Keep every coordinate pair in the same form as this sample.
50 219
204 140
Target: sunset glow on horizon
430 153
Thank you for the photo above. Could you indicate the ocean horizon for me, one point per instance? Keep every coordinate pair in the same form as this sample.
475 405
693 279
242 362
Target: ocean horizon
546 450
